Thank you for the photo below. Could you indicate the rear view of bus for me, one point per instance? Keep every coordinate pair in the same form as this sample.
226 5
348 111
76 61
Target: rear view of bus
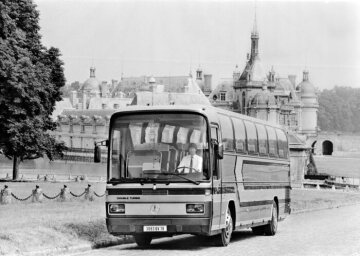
156 187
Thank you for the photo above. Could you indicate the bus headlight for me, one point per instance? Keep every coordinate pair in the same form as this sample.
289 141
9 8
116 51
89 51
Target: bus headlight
195 208
117 208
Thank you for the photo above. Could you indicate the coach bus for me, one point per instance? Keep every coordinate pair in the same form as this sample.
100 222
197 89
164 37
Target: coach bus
242 179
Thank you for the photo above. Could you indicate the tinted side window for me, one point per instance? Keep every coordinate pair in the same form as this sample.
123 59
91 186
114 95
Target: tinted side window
273 148
240 135
251 137
227 133
282 143
262 138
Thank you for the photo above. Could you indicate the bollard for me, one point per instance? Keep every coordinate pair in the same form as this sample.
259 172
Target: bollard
70 178
347 188
317 186
64 194
333 187
38 177
37 195
46 178
5 195
7 176
89 193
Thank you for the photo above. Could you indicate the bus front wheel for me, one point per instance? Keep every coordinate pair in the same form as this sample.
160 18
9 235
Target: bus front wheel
224 238
143 240
271 228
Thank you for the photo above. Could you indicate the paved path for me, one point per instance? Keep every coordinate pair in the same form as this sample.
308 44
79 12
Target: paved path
326 232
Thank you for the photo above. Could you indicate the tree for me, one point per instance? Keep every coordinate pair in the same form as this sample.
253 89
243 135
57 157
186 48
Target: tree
31 77
339 109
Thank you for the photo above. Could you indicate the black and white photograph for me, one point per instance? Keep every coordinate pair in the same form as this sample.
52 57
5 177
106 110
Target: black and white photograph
180 127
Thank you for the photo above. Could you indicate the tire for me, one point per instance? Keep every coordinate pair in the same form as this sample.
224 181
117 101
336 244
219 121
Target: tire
143 240
225 236
271 228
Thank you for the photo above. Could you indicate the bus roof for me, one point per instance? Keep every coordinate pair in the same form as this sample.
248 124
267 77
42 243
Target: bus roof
209 111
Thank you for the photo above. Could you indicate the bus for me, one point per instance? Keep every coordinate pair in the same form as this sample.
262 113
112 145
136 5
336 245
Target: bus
243 180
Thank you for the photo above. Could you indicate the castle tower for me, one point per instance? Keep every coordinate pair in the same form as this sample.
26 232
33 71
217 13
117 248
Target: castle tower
309 108
252 78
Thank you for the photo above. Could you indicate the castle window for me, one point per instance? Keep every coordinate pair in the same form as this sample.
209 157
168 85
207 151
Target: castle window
222 96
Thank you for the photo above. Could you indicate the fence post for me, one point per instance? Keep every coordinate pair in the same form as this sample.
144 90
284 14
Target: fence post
89 193
5 195
37 195
64 193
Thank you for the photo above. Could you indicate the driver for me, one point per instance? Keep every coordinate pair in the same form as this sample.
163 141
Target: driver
191 163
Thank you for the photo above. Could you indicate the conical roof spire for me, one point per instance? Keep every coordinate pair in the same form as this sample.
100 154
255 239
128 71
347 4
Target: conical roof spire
255 30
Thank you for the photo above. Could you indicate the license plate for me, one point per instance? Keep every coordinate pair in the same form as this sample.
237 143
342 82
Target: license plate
155 228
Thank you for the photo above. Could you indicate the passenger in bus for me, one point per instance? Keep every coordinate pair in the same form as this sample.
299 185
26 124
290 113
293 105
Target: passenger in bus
191 163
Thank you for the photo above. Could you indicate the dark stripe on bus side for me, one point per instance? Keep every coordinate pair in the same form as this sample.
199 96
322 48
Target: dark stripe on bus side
267 187
224 190
263 202
265 163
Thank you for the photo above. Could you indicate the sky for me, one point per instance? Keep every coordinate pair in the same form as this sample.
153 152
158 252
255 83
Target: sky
172 37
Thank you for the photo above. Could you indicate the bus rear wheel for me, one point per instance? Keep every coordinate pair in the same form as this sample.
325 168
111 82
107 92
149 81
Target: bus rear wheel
225 236
271 228
143 240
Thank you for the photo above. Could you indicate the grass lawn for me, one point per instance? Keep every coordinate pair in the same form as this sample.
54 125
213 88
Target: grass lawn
338 166
26 226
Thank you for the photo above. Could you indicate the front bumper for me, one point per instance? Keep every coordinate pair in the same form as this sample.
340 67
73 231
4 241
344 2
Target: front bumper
131 226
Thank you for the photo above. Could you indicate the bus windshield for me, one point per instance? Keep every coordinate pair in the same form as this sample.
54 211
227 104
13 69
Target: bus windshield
161 147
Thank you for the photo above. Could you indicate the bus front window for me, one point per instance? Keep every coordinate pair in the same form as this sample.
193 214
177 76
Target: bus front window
162 147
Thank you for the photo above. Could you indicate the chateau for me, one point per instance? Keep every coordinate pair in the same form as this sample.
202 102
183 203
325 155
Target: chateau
267 96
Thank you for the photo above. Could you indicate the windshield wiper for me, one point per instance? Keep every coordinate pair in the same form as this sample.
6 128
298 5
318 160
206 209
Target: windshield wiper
174 174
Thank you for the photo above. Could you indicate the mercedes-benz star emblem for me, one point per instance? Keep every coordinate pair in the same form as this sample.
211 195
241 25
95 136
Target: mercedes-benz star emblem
155 208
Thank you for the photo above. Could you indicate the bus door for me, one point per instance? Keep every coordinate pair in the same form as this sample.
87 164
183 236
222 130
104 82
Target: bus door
216 180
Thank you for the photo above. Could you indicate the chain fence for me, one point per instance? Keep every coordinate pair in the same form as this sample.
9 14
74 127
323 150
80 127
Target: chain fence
37 195
59 177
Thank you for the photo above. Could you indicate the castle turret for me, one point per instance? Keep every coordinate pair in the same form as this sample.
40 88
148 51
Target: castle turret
310 106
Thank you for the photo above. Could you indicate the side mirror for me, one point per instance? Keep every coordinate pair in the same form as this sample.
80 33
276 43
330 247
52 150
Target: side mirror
219 150
97 154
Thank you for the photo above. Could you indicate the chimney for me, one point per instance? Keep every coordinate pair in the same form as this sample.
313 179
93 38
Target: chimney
207 82
84 101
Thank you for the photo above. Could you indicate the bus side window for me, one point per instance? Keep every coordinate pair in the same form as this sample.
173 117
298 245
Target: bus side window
263 140
252 141
273 147
240 135
227 133
215 162
282 143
